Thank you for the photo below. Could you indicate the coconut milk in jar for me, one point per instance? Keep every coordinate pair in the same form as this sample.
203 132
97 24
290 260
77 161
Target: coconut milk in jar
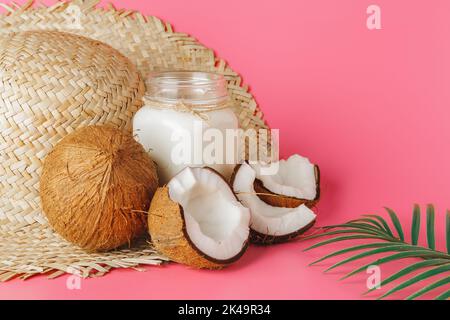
184 122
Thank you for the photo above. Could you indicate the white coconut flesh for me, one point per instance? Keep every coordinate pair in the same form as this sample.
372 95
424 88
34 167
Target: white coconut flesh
216 223
296 178
267 219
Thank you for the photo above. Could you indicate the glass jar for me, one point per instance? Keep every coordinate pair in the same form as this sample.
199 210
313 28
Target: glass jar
184 122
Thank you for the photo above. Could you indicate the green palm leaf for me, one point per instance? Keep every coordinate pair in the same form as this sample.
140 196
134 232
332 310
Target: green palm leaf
443 296
354 237
375 251
369 221
349 228
371 227
415 228
430 287
383 222
346 230
355 248
358 225
396 223
410 269
448 231
425 275
423 254
430 226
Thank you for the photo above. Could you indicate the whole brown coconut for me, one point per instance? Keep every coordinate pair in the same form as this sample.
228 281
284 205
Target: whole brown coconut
96 185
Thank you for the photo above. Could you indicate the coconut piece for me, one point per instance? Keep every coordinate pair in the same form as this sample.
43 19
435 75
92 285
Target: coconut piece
269 223
297 182
198 221
96 186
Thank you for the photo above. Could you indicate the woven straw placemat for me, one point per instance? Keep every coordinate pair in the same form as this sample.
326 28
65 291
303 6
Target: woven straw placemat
27 245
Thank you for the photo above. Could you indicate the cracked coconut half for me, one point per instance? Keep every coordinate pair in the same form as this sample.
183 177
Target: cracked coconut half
279 203
197 220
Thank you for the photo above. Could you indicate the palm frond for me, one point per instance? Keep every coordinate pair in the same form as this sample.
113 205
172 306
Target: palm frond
374 227
443 296
424 275
430 227
409 269
383 222
423 254
448 231
430 287
396 222
355 248
369 253
415 227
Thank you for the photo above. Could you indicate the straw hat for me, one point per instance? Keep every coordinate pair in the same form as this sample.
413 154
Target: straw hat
28 246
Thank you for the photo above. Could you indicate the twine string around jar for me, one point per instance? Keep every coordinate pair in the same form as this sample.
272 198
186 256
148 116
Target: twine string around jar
198 110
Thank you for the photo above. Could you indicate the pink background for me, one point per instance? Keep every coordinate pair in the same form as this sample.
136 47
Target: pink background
372 108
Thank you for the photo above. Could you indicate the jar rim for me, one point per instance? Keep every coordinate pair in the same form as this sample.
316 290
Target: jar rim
196 87
186 78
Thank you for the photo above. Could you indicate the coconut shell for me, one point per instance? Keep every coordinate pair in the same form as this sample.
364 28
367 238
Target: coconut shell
96 187
277 200
265 239
168 233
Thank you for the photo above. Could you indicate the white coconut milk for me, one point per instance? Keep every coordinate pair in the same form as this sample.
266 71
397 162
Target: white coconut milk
184 117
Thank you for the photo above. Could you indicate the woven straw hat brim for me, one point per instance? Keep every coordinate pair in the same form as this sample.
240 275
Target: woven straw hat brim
28 246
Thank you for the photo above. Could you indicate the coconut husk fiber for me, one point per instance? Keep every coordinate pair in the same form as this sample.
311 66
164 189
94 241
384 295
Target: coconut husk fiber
28 245
96 186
